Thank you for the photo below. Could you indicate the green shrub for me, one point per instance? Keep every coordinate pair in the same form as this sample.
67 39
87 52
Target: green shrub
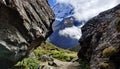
39 53
60 55
108 51
104 65
28 63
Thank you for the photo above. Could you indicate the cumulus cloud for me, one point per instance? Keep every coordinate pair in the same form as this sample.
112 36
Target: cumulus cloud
71 32
86 9
83 10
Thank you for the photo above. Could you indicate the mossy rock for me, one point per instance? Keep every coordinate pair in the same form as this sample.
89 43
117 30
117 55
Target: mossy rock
107 52
104 65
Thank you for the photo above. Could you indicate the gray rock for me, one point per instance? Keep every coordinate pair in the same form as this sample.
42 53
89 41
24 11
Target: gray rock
99 33
24 24
46 57
74 60
32 55
52 63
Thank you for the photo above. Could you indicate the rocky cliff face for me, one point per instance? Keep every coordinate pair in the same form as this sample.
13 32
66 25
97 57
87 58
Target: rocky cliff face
24 24
100 42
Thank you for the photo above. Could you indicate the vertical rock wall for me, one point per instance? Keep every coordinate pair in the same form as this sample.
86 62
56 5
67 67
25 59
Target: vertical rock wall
100 42
24 24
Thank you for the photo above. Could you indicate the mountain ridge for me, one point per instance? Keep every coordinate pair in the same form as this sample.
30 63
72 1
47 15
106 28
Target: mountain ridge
63 25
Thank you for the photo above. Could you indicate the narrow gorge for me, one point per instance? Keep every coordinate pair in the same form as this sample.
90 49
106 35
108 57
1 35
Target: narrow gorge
28 27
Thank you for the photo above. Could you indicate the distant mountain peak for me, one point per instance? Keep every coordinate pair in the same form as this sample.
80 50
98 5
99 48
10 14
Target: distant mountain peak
63 10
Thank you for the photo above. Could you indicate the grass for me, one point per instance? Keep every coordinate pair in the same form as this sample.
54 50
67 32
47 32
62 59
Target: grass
45 48
28 63
58 53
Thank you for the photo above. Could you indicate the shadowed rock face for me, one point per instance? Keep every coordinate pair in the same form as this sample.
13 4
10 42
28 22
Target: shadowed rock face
24 24
100 42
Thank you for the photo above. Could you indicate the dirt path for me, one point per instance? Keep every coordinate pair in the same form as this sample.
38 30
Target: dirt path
61 65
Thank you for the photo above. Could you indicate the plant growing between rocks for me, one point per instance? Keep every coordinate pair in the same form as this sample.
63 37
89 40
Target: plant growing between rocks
104 65
107 52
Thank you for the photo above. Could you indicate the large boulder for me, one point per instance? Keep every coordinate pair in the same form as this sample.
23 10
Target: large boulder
24 24
100 42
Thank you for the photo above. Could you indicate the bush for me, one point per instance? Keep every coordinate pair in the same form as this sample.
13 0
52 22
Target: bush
39 53
28 63
104 65
108 51
61 55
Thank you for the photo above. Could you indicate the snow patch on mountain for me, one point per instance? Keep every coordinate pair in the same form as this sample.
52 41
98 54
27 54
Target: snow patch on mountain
62 10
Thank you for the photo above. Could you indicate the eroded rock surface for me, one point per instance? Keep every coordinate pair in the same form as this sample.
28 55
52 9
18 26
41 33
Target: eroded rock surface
24 24
100 42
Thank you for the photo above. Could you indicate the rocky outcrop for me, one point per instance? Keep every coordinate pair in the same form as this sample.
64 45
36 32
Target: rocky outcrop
100 42
24 24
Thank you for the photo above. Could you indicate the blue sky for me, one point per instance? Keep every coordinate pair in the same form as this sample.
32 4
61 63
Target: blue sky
52 2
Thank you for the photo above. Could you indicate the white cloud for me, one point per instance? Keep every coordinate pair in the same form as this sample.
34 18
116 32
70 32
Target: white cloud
86 9
72 32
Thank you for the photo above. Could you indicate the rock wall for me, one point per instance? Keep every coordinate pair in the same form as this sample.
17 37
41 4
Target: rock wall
100 42
24 24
